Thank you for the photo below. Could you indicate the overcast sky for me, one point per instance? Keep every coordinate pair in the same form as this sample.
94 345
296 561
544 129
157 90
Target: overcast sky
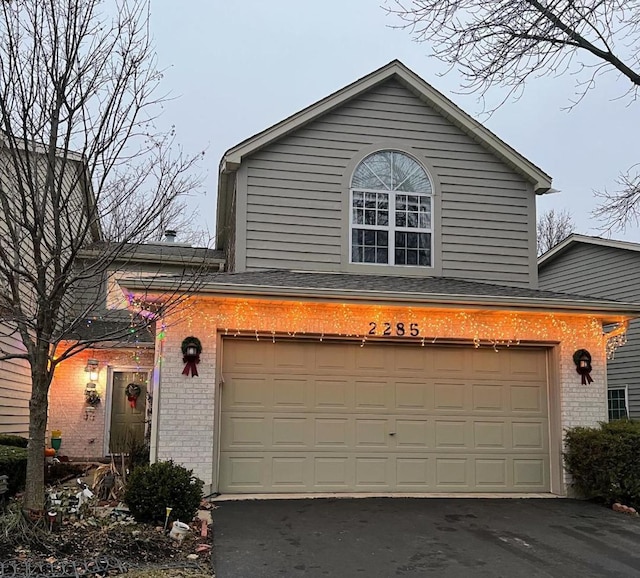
237 67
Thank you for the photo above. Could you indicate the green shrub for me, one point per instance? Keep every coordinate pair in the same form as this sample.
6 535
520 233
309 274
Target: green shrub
604 462
152 488
13 463
13 440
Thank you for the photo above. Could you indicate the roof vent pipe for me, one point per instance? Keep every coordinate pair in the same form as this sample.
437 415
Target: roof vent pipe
170 236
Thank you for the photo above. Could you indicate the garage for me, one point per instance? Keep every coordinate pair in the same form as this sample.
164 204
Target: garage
312 416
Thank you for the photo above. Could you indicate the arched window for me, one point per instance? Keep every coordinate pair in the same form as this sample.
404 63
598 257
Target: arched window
391 211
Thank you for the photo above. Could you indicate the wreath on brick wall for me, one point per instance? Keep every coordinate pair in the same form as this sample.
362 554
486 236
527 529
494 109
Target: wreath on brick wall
582 359
191 350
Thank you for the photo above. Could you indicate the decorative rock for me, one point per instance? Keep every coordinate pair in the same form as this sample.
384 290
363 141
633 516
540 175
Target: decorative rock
192 557
617 507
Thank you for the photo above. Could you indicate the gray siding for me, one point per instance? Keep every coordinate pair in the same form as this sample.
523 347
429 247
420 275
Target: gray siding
296 186
610 273
15 386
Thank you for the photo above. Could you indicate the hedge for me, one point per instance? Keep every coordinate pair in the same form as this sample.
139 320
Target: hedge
13 463
13 440
604 462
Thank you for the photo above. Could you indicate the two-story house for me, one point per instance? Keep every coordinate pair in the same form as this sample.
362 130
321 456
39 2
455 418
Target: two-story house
607 269
380 329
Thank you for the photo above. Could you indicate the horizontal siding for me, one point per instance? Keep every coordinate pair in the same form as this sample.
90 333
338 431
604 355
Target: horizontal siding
608 273
15 387
295 190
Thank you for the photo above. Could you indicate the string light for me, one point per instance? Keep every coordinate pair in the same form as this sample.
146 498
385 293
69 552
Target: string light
368 323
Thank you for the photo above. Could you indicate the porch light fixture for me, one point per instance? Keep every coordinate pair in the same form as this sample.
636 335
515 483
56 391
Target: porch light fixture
92 369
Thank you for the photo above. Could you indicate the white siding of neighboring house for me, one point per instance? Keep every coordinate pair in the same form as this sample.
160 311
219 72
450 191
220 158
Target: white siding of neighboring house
610 273
296 186
15 386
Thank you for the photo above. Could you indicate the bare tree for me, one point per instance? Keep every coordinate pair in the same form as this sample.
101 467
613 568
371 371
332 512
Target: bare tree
552 228
79 151
508 42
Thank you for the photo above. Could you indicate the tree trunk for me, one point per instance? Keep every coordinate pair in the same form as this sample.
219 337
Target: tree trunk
38 409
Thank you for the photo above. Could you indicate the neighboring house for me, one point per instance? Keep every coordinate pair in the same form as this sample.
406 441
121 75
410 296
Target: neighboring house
115 425
75 196
610 270
381 327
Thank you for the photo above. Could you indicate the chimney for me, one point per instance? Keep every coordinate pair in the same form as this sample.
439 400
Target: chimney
170 236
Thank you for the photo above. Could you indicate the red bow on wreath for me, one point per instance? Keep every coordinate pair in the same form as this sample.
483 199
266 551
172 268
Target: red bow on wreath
582 359
191 350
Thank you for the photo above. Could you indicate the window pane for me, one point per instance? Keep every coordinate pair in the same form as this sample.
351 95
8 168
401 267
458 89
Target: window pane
357 216
381 256
391 170
369 255
401 219
383 218
617 403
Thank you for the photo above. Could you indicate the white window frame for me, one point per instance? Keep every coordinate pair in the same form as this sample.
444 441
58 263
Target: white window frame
625 388
391 228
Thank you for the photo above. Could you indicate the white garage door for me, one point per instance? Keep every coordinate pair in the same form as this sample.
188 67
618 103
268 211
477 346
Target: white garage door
302 416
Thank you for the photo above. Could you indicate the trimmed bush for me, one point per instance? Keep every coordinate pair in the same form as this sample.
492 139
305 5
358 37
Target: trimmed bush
153 488
13 440
13 463
604 461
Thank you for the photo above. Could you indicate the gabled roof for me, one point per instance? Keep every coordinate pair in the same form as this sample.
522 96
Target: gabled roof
395 69
425 291
575 239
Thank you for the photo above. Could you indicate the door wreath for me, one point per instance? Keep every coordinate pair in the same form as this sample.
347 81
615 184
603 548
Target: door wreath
132 391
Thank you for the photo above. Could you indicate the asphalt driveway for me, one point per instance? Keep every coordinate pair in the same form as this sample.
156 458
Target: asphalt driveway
418 537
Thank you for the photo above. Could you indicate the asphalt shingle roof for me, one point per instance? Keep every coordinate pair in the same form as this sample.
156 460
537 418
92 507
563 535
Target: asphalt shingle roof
384 284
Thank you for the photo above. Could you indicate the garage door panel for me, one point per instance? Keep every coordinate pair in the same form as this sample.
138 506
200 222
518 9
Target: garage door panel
248 393
488 397
333 394
333 433
372 360
530 473
290 394
450 422
526 365
413 396
450 361
248 432
413 434
490 435
290 432
451 433
527 399
291 356
529 435
372 395
450 396
372 433
333 472
413 474
373 473
491 474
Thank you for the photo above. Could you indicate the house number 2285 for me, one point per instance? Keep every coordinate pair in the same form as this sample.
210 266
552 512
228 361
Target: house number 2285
398 329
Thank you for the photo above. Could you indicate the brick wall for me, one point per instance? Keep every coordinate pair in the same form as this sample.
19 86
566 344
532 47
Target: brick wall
186 405
83 431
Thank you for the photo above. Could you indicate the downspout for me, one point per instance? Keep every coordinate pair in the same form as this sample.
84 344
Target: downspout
156 378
